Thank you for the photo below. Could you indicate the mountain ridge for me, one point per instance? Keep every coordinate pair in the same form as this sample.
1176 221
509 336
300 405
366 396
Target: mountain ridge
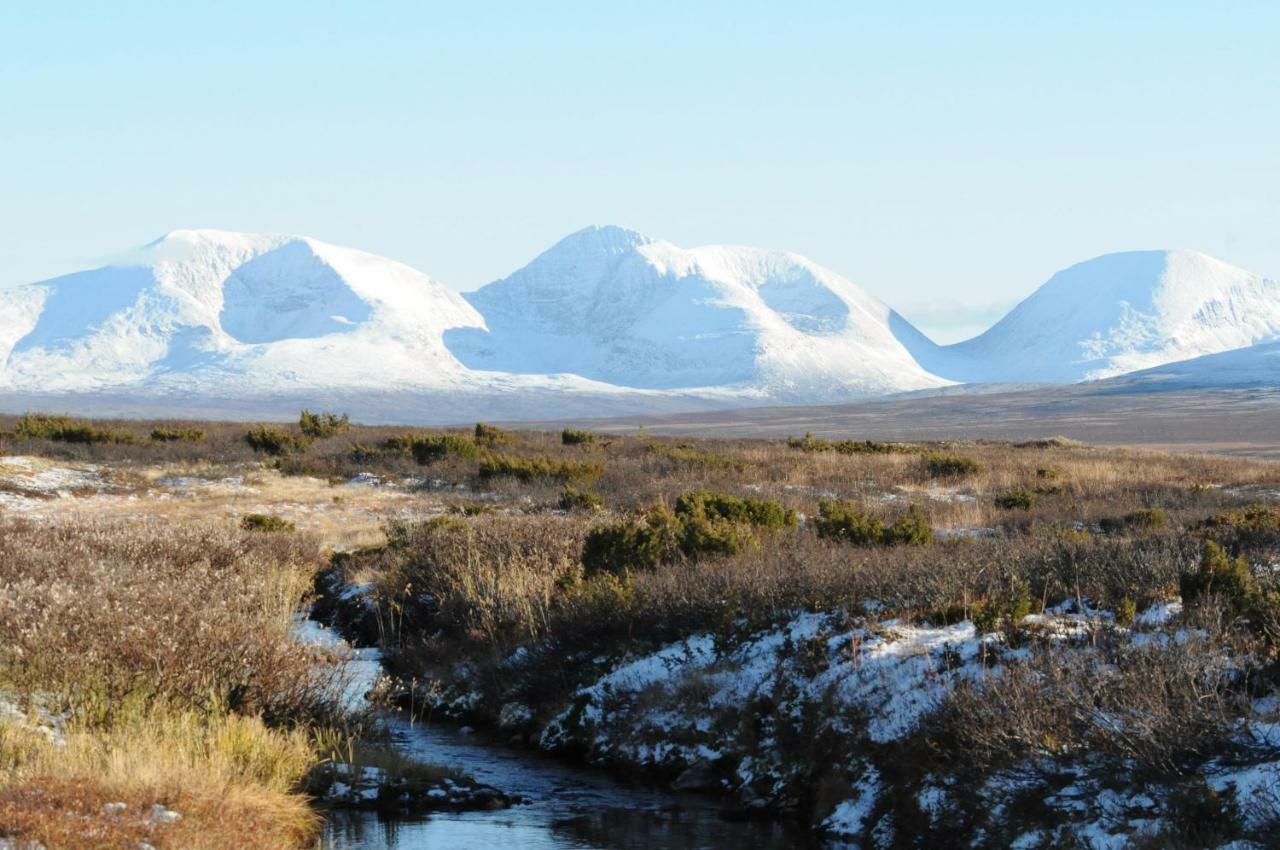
606 316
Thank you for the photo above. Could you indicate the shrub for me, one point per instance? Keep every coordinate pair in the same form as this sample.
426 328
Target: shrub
721 506
429 448
492 577
177 435
104 616
471 508
573 499
1126 612
1145 519
575 437
1005 609
1023 500
266 523
635 545
950 466
320 426
688 455
538 467
273 441
809 443
1218 575
1256 527
703 523
909 529
849 447
1048 473
1060 700
492 436
843 520
63 429
864 447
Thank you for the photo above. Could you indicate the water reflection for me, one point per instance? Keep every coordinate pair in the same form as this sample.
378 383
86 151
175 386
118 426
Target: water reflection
570 809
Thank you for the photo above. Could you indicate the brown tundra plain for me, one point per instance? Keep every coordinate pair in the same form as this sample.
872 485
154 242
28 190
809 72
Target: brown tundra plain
943 644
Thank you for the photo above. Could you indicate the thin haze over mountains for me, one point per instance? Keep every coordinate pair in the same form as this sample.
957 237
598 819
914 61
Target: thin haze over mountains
607 320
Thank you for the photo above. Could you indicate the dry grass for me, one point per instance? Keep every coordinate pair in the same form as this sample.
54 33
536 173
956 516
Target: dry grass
156 665
231 780
95 614
503 571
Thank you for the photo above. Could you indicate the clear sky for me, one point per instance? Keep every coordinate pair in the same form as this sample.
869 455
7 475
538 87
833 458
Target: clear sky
947 156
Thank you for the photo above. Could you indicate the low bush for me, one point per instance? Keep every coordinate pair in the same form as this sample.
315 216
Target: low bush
493 436
1230 584
691 456
949 466
178 435
1160 709
1022 500
573 499
641 544
100 616
1005 609
1126 612
321 426
849 447
720 506
429 448
538 467
273 441
1146 519
704 523
491 578
1255 528
575 437
266 523
809 443
845 521
63 429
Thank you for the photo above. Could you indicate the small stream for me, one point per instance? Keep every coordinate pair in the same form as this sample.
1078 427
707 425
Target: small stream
569 809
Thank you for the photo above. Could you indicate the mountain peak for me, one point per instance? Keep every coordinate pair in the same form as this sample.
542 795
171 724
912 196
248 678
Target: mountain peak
1119 313
599 239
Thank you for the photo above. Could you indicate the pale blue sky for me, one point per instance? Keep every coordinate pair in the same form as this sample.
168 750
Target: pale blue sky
936 153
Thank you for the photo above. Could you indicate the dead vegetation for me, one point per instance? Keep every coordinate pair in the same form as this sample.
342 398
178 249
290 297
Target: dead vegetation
569 545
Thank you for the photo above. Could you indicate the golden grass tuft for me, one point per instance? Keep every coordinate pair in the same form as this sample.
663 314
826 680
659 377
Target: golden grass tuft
231 779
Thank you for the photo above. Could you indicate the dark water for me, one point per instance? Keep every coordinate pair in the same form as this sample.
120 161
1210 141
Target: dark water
570 808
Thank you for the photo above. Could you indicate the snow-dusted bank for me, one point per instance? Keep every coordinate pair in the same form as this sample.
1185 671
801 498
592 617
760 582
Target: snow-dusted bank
855 699
605 322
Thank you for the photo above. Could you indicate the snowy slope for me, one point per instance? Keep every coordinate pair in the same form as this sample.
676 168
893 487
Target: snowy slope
1116 314
607 321
211 310
614 306
1255 366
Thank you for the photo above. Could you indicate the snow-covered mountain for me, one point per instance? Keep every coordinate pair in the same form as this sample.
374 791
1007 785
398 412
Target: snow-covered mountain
607 321
1255 366
230 312
614 306
1116 314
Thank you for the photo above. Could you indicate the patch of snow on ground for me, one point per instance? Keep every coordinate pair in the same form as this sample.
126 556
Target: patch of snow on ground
1160 613
850 816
